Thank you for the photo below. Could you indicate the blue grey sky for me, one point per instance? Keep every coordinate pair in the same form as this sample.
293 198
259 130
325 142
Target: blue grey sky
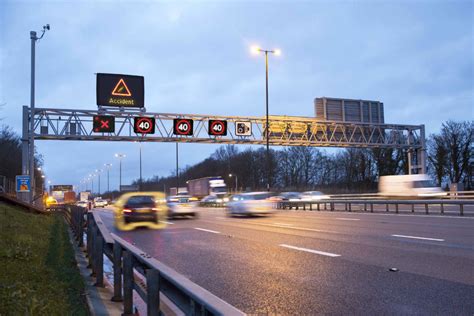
415 56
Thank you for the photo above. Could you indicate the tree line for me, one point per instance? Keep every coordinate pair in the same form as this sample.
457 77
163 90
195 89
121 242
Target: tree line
10 160
449 159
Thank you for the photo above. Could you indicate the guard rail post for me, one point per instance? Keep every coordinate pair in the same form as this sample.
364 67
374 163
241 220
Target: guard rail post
461 209
442 208
350 208
92 248
426 208
99 260
81 224
153 292
310 206
413 207
396 208
117 262
371 207
318 206
127 283
386 208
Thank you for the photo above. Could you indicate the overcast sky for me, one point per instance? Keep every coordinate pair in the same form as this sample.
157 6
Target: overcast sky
414 56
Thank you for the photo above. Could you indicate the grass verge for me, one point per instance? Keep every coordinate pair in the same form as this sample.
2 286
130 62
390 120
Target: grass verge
38 273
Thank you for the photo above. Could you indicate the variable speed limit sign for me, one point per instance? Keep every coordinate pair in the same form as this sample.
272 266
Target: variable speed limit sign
183 127
217 128
144 125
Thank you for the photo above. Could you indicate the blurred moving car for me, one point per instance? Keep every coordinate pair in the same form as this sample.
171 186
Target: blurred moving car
313 196
140 209
182 205
290 196
101 203
84 204
253 203
409 186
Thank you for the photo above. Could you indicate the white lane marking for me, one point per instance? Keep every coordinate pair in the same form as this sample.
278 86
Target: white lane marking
207 230
415 237
298 228
219 217
169 223
348 219
323 253
283 224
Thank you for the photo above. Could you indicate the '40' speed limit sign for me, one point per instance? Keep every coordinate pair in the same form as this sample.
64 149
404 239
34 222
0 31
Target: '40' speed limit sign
217 128
182 127
144 125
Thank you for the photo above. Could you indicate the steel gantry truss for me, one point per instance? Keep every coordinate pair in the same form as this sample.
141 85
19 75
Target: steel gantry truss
67 124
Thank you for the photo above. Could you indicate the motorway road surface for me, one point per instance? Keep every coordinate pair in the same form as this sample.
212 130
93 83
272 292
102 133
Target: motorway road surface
302 263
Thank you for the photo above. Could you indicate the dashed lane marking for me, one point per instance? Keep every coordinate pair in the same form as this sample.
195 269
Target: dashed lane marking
207 230
347 219
415 237
323 253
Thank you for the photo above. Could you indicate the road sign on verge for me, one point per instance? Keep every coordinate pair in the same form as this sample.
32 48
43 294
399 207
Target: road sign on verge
23 184
183 127
217 127
120 90
104 124
144 125
243 128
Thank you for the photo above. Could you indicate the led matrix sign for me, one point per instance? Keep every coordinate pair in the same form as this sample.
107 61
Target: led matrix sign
120 90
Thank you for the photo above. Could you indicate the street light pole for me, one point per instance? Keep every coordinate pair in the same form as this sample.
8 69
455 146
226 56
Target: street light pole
108 165
177 170
31 154
120 156
277 52
140 186
266 124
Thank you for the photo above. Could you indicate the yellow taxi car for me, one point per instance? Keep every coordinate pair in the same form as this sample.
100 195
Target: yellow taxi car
140 209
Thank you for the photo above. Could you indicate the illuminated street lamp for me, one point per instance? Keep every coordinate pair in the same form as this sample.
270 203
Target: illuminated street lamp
230 176
277 52
120 157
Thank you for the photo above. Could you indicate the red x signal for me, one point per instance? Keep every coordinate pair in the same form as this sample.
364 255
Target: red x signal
104 124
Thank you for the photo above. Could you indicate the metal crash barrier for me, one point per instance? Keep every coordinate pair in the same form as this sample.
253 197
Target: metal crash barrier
131 265
368 205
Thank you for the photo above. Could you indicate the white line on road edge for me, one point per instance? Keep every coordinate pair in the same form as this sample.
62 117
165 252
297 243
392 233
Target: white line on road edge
311 250
414 237
169 223
348 219
283 224
207 230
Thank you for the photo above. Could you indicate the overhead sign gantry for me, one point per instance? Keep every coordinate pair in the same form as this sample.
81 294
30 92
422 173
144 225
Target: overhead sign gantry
122 117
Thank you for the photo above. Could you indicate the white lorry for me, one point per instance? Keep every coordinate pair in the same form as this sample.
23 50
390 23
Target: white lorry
409 186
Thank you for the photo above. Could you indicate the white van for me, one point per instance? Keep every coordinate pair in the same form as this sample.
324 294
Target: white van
412 186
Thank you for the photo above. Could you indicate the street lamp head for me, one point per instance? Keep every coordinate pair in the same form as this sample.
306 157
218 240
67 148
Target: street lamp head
255 50
277 52
230 174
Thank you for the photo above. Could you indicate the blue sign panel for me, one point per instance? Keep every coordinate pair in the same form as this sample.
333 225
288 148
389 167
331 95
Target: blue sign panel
23 184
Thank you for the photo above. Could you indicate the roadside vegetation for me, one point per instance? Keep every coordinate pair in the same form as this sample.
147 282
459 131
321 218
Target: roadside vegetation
39 275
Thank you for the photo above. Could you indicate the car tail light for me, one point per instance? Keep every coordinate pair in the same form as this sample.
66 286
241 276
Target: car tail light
127 210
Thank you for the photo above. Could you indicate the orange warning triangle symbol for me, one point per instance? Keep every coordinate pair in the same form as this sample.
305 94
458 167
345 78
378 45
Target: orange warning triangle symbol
121 89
